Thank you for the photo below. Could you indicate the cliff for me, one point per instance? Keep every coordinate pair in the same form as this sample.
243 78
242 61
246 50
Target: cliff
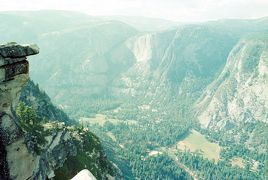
38 140
13 75
236 102
239 93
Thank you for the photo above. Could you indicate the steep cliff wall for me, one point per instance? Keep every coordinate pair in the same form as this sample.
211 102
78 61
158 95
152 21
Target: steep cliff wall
239 94
236 102
13 75
38 140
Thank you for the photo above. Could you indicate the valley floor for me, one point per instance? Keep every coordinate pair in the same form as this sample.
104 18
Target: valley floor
139 146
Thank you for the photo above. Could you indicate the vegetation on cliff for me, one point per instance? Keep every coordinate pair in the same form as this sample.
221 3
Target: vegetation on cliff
38 131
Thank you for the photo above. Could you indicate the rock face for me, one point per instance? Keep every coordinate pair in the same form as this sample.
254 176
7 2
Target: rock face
50 144
13 60
236 102
13 75
239 94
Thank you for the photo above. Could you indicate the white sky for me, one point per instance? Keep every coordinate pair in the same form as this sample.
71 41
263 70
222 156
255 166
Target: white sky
177 10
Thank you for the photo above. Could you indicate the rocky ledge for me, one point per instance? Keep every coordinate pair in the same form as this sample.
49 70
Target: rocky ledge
13 59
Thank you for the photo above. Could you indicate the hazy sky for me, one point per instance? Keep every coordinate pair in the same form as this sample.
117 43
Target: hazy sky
177 10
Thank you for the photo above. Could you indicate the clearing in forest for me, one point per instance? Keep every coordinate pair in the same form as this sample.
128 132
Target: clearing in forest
238 161
196 142
101 119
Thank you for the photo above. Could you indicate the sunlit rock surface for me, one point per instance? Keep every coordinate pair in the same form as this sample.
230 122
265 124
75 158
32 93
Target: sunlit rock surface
240 93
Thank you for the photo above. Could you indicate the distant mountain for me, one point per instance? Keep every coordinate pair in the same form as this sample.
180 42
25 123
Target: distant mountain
97 56
93 48
238 97
144 23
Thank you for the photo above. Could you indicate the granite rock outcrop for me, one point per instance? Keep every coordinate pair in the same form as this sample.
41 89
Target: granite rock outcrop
14 69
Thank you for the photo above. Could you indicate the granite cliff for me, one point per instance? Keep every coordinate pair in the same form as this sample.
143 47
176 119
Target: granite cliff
235 103
38 140
13 75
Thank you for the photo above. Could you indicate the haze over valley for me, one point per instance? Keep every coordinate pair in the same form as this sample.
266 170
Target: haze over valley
164 99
